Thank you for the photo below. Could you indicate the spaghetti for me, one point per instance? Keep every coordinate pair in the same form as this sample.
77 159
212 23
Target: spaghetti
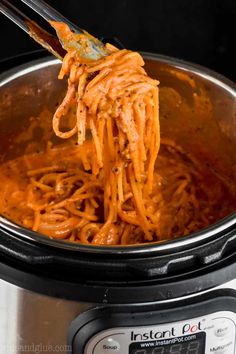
118 103
51 192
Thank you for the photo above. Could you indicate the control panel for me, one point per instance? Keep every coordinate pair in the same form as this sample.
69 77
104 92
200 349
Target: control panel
214 333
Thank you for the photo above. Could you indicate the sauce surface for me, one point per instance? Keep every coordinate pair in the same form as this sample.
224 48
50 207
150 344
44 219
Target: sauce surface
186 197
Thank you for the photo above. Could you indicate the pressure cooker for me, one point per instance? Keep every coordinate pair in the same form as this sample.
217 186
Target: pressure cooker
176 296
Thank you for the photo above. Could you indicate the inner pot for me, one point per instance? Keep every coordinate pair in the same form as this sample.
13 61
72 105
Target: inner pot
197 111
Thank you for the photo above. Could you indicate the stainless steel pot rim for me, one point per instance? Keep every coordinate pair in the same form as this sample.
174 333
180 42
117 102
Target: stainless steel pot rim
200 70
191 240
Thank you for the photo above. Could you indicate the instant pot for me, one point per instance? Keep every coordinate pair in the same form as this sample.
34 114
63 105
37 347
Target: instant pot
172 297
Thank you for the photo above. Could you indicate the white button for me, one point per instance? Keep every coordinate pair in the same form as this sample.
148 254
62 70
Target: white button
221 331
107 346
221 327
222 348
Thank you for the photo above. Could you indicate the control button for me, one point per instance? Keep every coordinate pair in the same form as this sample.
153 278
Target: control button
107 346
221 331
222 327
222 348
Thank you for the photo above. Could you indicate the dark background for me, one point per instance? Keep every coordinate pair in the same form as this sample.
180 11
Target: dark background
201 31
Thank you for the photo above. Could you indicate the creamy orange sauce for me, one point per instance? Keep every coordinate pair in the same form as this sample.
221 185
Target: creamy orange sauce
186 197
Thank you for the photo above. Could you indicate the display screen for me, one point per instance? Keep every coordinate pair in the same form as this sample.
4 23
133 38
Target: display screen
192 344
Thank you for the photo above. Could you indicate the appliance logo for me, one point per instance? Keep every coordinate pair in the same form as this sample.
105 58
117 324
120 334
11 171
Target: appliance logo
187 328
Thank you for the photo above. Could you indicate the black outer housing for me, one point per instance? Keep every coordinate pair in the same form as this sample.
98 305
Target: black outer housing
111 281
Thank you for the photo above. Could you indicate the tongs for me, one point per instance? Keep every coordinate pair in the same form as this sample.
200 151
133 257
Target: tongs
96 50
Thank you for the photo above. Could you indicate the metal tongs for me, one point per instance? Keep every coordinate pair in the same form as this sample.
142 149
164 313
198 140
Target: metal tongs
96 50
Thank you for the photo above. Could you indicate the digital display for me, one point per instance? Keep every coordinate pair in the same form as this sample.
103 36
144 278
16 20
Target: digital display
191 344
